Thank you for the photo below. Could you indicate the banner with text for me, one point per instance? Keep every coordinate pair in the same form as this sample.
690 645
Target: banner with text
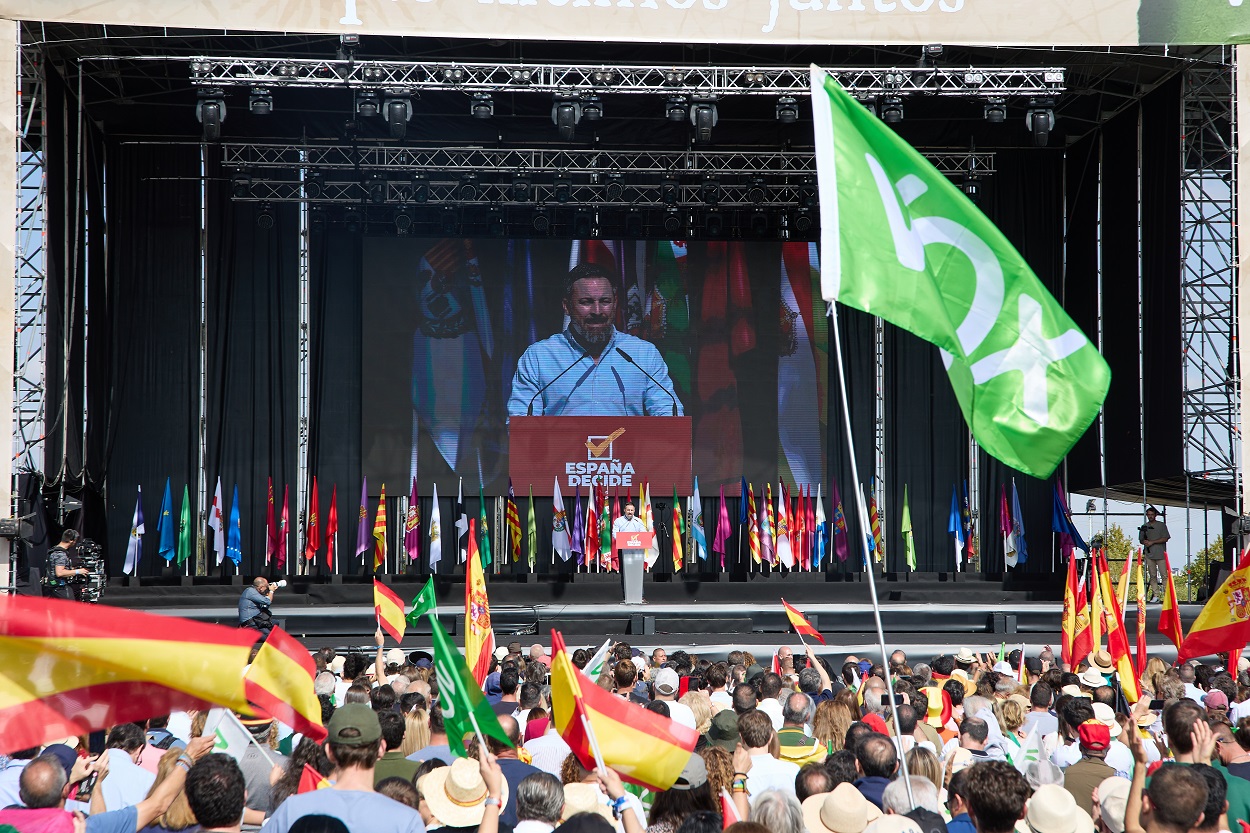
617 452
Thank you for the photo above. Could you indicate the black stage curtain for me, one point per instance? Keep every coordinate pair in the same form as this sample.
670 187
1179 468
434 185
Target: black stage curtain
1080 285
858 352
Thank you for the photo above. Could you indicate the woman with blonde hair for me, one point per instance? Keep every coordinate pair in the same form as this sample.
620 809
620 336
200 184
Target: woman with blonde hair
833 718
922 762
416 732
179 815
701 706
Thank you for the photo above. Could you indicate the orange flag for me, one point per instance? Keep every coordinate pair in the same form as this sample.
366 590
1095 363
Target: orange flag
1077 639
1169 614
389 610
1224 623
800 624
479 637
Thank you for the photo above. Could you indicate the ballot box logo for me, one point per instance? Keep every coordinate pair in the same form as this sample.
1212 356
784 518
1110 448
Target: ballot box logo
600 446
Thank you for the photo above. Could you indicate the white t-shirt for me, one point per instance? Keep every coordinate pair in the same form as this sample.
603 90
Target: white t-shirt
768 773
723 697
772 708
680 713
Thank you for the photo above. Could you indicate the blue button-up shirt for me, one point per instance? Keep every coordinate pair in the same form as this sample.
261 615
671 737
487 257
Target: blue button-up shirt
610 387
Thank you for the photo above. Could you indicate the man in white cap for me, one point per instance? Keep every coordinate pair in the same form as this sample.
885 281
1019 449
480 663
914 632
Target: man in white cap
665 688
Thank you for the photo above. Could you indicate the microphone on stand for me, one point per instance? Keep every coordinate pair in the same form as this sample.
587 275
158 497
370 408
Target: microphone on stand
529 411
630 359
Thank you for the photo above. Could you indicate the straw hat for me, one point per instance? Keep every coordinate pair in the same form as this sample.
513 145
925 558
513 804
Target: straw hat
456 794
1103 662
964 680
1052 809
894 823
965 656
1072 690
845 810
582 798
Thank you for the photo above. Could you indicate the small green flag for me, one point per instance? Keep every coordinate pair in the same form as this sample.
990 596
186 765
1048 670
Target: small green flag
483 545
901 241
184 527
1002 652
422 603
531 533
909 537
459 694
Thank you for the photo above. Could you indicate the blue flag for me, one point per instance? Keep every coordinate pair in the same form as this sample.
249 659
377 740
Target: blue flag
165 526
955 526
697 533
234 535
1017 525
1061 523
742 504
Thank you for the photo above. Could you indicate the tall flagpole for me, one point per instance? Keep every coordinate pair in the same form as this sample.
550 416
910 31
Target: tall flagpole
862 512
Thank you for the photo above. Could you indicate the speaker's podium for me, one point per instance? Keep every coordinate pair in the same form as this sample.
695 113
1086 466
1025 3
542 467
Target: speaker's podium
614 451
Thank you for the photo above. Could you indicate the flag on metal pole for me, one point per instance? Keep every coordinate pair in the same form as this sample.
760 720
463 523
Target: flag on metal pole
909 536
753 526
234 537
560 541
314 525
955 526
363 533
332 529
165 526
694 509
461 513
436 531
531 533
271 527
513 524
412 523
185 545
134 546
379 532
217 523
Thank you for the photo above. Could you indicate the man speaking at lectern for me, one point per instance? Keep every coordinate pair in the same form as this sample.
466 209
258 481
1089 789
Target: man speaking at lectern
592 369
631 560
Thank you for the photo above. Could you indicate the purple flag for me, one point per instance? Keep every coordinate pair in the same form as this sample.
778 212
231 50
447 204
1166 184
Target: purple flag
840 543
412 524
579 531
722 529
364 533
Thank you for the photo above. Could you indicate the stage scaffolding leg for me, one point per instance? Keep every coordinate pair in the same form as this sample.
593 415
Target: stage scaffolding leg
9 81
201 558
302 478
1241 102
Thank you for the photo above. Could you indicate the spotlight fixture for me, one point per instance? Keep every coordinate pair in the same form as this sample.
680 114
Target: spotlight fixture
974 79
264 219
803 221
287 71
260 102
455 75
482 106
563 188
996 110
677 108
634 226
755 79
674 78
583 224
603 77
933 50
522 188
703 116
592 108
615 188
352 220
349 40
376 186
420 188
317 219
495 223
210 111
372 73
541 222
756 191
709 191
367 104
672 222
670 190
971 186
398 113
200 67
808 194
314 184
714 224
759 223
450 221
241 186
403 220
566 112
521 75
895 80
892 109
467 190
1040 119
787 109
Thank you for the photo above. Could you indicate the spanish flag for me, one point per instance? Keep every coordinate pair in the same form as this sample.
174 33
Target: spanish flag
800 624
479 637
1117 636
1224 623
643 747
310 780
1170 614
74 669
1077 639
280 682
389 610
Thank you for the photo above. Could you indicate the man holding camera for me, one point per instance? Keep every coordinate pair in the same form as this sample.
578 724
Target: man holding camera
1154 537
254 605
61 570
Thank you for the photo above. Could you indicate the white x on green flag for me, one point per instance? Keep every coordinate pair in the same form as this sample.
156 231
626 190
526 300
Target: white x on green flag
899 240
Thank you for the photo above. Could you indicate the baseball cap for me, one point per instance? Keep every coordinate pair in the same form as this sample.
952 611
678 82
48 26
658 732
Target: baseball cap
64 754
1094 735
1215 700
666 682
1033 665
354 716
693 774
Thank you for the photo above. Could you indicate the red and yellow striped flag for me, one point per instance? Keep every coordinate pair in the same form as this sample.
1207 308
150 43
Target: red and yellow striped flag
74 669
753 527
280 681
643 747
479 637
800 624
1077 640
311 780
389 609
379 532
1169 613
1117 636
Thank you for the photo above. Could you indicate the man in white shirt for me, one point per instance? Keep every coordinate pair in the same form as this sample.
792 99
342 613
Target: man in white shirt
767 773
665 688
717 679
11 774
127 783
548 751
770 688
631 559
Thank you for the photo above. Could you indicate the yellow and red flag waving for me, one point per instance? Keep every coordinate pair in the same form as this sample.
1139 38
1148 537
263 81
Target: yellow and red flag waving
74 669
643 747
1077 640
379 532
1224 623
311 780
479 637
280 682
1117 636
1169 613
800 624
389 609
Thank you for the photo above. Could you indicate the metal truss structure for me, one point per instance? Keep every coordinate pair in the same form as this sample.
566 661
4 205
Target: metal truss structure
481 77
1211 414
385 174
31 299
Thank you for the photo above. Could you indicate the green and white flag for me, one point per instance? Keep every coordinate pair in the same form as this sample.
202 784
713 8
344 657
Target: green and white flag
594 667
909 534
901 241
462 700
422 603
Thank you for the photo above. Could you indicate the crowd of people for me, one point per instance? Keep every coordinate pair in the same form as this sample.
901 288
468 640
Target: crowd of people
788 743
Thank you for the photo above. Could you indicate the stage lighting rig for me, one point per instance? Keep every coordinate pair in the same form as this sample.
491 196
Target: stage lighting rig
495 224
260 102
482 106
757 190
520 75
566 112
673 223
615 188
353 220
314 185
670 190
677 108
398 106
467 190
802 221
403 220
634 225
376 187
892 109
674 77
759 223
420 188
787 109
710 191
603 77
241 186
264 218
809 196
1040 119
522 188
541 221
714 224
971 186
583 224
592 108
455 75
210 111
562 188
367 104
996 110
704 117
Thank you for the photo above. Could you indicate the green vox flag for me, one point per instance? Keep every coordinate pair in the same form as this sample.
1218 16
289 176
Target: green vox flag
909 536
185 540
531 533
901 241
459 695
422 603
483 546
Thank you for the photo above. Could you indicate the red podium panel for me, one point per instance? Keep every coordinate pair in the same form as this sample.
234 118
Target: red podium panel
633 540
620 452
